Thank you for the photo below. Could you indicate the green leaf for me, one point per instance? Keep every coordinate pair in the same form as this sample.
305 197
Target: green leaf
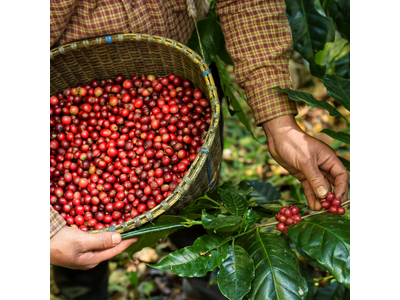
338 88
223 53
116 288
311 101
263 192
331 10
243 188
226 85
276 205
197 206
262 213
146 287
331 291
133 278
342 67
158 232
151 233
344 9
250 219
195 260
277 273
345 162
332 56
212 222
311 31
327 239
312 289
236 274
341 136
211 11
210 34
234 202
311 261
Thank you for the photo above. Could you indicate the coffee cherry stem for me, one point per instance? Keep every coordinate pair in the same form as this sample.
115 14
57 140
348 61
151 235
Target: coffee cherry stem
346 203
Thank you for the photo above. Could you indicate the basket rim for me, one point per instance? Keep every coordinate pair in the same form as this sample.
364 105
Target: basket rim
180 191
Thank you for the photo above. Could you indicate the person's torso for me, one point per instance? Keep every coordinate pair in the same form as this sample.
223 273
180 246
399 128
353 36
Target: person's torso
90 18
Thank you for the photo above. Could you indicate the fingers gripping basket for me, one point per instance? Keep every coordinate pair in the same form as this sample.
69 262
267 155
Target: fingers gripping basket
129 54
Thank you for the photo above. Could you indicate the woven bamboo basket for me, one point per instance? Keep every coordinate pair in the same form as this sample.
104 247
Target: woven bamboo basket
129 54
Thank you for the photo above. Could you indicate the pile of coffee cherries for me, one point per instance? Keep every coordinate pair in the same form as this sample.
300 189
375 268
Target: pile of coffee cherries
286 217
334 205
120 146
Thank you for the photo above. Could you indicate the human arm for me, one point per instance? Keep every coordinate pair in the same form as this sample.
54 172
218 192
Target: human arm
311 161
72 248
259 39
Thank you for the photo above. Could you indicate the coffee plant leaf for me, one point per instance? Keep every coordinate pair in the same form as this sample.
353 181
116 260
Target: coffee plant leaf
342 67
250 218
276 205
338 88
196 260
223 53
326 238
150 235
332 291
262 213
210 34
263 192
344 9
345 162
331 9
217 222
310 30
235 203
197 206
311 261
340 136
243 188
226 85
277 273
236 274
311 101
312 288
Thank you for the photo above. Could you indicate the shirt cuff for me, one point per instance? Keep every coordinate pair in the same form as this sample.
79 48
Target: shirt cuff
56 222
267 104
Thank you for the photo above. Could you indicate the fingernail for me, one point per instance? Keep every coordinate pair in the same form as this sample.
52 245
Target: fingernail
322 191
116 238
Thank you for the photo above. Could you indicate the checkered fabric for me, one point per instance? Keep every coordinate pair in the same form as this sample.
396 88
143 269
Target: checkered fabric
259 39
56 222
257 33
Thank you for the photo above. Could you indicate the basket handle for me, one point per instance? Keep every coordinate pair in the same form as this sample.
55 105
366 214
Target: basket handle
192 11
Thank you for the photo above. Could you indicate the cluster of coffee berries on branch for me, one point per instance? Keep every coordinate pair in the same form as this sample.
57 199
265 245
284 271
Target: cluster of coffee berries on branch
118 147
334 205
286 217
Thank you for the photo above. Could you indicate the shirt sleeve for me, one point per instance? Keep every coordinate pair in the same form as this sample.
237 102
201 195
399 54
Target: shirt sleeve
258 39
60 14
56 222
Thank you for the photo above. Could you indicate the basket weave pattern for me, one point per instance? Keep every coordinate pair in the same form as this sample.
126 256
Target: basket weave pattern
129 54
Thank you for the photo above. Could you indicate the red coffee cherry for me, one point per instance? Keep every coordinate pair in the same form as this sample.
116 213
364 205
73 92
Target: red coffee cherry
330 196
280 226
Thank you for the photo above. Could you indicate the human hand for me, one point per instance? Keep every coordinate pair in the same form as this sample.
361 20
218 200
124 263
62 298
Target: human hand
311 161
72 248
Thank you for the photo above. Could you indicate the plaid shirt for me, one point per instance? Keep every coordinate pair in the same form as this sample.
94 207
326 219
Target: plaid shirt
56 221
257 33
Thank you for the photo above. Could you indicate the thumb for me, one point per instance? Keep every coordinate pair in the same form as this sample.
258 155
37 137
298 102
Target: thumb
102 241
316 180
